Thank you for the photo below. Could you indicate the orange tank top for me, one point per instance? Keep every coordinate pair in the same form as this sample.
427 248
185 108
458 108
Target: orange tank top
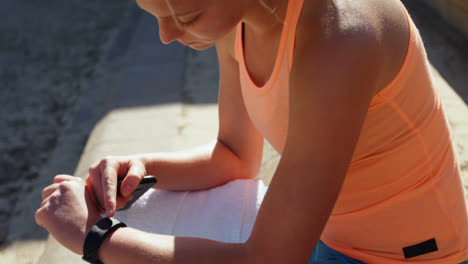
402 195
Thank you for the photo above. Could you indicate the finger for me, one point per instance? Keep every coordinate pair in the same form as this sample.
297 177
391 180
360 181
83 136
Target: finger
122 201
48 205
134 176
93 183
93 171
92 196
50 201
62 177
39 216
45 201
109 184
49 190
89 182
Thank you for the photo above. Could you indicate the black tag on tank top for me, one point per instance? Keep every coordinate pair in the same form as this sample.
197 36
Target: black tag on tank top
420 249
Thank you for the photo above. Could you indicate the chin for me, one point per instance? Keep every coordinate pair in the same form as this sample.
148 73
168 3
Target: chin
201 46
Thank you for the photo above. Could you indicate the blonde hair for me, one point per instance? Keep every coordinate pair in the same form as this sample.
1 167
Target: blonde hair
176 19
270 10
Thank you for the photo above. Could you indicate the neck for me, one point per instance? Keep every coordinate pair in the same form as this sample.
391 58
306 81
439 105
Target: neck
261 21
264 18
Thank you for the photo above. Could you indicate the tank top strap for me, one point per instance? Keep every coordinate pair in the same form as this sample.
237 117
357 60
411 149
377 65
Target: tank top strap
292 23
237 40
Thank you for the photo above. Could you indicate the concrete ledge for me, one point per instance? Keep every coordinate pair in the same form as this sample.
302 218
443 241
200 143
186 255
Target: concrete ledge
153 114
143 105
454 11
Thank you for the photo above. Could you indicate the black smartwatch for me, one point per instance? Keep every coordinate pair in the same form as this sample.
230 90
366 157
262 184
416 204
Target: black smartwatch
96 236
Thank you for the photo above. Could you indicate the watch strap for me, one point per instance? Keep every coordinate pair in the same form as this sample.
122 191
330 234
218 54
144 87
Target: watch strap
96 235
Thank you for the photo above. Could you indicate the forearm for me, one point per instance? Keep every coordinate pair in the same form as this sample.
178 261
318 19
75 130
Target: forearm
202 168
128 245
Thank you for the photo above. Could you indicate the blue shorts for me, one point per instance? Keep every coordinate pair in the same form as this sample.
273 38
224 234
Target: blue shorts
323 254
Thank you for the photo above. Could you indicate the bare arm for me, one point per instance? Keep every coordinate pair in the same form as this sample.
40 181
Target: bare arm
331 87
235 154
325 122
129 245
324 125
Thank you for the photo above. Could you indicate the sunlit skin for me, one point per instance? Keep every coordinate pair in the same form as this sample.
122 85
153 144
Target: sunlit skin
329 96
196 23
201 23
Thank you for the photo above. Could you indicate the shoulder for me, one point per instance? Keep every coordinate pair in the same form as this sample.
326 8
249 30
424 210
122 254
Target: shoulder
335 27
366 34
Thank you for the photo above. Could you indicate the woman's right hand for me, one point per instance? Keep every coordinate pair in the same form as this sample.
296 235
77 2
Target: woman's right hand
103 177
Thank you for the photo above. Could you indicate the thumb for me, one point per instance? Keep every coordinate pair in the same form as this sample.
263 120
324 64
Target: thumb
135 174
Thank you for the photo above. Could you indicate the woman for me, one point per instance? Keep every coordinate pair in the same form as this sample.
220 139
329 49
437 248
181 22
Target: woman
342 90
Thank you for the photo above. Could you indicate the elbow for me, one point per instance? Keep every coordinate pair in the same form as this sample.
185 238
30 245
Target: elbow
238 167
241 169
247 170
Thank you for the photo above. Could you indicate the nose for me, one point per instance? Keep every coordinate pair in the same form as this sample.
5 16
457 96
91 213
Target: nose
168 31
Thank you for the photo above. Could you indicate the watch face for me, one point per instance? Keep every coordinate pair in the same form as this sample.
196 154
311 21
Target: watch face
104 224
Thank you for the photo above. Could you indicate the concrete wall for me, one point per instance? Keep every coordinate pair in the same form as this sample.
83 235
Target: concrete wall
454 11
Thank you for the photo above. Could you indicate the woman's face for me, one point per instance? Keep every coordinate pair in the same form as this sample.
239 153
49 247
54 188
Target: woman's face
199 23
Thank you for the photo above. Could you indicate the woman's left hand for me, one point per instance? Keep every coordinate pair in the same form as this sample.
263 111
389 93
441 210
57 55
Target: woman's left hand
67 211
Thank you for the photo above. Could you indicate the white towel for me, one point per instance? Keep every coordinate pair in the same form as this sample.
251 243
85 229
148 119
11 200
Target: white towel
226 213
